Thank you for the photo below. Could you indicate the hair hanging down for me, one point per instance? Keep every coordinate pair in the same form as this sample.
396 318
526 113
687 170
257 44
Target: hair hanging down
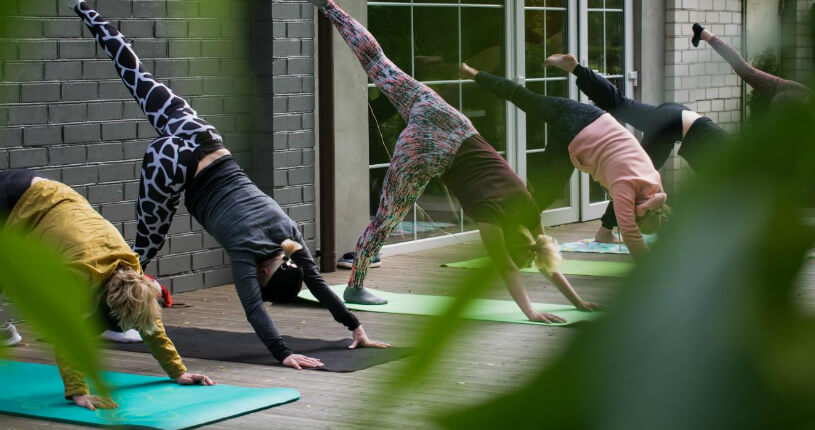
547 253
133 300
290 247
653 220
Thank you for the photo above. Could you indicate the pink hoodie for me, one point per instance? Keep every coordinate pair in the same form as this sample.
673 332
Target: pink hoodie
615 159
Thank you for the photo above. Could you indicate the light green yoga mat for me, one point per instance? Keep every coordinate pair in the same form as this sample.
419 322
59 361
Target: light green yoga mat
479 309
35 390
610 269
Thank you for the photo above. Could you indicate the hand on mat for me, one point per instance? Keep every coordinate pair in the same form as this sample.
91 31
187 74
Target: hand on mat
299 361
589 307
361 339
194 378
545 317
93 402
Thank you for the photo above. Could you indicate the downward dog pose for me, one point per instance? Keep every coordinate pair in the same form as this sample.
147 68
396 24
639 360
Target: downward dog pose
94 249
268 254
777 89
440 141
596 144
662 125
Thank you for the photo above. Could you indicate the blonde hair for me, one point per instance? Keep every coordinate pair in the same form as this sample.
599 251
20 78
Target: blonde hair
652 221
133 300
290 247
545 251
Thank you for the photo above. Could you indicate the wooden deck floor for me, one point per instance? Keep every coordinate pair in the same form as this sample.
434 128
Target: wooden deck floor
477 367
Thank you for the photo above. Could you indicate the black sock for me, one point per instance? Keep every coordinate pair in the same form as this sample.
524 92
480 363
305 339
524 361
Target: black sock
697 34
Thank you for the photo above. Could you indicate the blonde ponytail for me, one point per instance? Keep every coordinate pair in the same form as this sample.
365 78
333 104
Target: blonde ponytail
290 247
133 300
547 253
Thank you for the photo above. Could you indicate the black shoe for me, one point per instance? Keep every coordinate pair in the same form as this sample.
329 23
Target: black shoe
697 34
347 261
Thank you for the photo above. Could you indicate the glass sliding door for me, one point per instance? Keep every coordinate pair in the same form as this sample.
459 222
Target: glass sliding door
429 40
605 42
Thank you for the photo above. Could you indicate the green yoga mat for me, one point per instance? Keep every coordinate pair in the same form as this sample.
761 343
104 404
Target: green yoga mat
610 269
35 390
479 309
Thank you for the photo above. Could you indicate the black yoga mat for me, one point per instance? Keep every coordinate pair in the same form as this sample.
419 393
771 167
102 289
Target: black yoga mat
247 348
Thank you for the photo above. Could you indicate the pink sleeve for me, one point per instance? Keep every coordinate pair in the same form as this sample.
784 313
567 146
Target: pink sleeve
625 200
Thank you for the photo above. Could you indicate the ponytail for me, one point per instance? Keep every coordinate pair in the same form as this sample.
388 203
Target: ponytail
546 253
290 247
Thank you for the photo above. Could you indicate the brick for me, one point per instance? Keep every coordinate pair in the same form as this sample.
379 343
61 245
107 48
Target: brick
118 131
104 111
145 130
206 67
82 133
185 48
115 8
38 136
217 48
302 213
209 241
204 28
132 111
23 72
77 49
148 48
63 70
299 29
93 69
59 28
137 28
62 155
106 194
303 175
17 28
171 68
181 223
41 92
75 91
185 243
113 90
36 8
171 29
131 190
27 114
182 9
217 277
9 93
80 175
24 158
150 9
116 172
11 137
105 152
173 265
3 159
119 211
188 282
207 259
188 87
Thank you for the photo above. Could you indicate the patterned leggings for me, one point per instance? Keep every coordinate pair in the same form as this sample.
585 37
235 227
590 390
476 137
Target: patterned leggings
772 86
424 149
171 160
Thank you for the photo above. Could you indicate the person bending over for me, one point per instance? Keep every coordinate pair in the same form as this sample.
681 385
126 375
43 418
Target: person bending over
440 141
662 126
778 90
595 143
189 157
94 249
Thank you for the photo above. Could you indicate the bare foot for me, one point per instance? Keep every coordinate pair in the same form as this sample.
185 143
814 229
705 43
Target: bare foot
605 235
565 62
467 72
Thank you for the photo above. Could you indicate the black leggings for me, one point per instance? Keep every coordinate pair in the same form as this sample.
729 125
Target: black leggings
661 125
567 118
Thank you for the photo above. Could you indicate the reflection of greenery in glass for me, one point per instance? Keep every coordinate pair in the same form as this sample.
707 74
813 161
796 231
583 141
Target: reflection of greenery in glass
394 21
546 34
487 113
435 32
482 39
606 36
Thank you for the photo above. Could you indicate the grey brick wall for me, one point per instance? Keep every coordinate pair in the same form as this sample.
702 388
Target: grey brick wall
64 112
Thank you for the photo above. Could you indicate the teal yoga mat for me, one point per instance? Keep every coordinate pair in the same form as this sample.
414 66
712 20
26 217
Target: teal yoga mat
35 390
590 246
479 309
609 269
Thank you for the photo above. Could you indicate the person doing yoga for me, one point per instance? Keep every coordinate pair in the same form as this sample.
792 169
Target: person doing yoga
597 144
268 254
440 141
778 90
92 247
662 126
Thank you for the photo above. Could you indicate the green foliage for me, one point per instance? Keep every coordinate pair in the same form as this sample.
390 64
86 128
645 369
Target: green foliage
52 299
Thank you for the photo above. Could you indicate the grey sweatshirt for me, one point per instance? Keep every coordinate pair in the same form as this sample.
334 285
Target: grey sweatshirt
250 225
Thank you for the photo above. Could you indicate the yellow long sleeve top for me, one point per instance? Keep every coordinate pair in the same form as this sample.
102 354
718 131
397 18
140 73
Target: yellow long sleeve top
92 247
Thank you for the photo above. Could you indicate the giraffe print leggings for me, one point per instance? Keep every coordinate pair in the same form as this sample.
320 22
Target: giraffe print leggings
424 149
171 160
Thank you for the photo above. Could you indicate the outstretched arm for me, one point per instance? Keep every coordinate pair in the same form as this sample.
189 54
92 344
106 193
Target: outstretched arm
493 238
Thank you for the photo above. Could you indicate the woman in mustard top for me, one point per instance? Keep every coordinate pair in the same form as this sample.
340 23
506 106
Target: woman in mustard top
93 248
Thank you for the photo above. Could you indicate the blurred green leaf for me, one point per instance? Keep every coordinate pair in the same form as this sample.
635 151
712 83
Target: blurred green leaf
51 298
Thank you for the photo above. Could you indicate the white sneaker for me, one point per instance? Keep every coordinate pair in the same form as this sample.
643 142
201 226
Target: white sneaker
9 335
130 336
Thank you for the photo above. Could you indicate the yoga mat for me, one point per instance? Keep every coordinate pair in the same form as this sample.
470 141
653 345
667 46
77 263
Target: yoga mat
35 390
590 246
610 269
478 309
247 348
